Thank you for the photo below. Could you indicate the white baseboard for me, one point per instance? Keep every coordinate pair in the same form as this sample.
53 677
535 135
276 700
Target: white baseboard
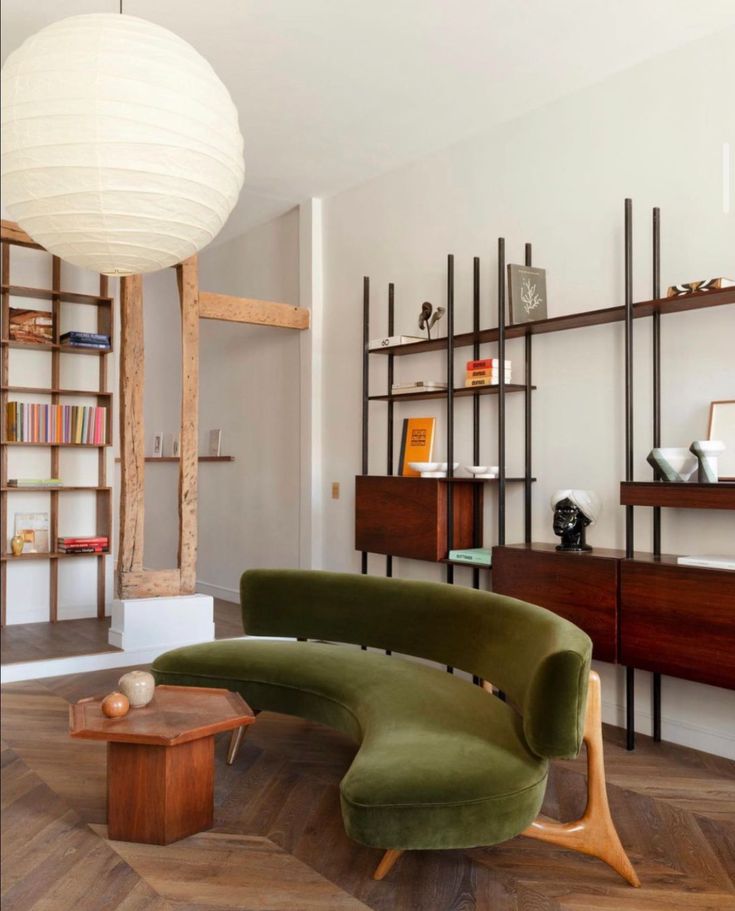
674 730
78 664
218 591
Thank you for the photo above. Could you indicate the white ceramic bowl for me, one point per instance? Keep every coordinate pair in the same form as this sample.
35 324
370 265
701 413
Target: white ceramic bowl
427 466
485 470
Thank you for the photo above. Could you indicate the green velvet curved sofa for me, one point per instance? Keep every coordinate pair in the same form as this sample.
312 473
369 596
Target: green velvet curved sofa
441 762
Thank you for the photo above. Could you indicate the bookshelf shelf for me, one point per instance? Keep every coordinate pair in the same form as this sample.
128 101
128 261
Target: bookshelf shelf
48 346
103 302
54 555
696 301
50 390
67 297
63 488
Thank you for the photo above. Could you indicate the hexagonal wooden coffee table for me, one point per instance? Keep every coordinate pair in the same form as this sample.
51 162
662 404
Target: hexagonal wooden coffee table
160 759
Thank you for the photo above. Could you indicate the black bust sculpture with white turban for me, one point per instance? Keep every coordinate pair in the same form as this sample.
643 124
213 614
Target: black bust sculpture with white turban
574 510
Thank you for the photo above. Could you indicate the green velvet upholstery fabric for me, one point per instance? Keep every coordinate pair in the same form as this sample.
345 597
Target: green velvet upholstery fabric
441 763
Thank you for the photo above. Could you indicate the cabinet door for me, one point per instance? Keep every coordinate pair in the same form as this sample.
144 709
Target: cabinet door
581 587
679 620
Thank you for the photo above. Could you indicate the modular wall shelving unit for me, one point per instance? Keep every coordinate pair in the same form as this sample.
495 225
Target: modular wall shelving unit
453 526
55 392
613 567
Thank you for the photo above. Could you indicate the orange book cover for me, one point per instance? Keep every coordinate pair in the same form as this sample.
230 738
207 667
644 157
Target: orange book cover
417 443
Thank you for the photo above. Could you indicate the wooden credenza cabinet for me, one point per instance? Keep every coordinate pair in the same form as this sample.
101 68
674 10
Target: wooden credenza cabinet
580 587
646 612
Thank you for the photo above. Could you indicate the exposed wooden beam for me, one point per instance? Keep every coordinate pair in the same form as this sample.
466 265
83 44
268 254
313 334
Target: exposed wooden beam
132 455
152 583
250 310
14 234
187 275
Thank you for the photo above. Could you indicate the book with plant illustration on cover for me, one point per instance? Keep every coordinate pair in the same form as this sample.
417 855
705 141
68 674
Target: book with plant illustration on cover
527 293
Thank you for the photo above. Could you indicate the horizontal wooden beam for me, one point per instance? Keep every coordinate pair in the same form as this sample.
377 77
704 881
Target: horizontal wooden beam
149 583
250 310
14 234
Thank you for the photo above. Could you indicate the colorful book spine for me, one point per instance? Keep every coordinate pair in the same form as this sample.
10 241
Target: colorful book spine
30 422
487 363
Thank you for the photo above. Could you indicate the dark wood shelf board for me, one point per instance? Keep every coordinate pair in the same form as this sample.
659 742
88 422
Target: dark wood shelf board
453 480
666 305
460 391
68 297
678 495
63 488
54 555
177 459
52 346
50 390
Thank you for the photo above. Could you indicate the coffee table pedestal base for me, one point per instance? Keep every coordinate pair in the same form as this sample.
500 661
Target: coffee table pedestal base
159 794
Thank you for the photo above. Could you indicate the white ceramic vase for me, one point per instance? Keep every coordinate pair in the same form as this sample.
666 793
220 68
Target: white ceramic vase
138 686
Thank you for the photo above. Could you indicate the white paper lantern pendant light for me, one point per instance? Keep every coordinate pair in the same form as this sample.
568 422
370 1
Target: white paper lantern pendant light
121 150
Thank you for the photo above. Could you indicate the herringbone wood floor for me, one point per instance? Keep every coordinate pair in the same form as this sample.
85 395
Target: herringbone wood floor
279 845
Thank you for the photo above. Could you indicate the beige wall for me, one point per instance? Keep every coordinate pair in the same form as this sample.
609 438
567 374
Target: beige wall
558 178
249 388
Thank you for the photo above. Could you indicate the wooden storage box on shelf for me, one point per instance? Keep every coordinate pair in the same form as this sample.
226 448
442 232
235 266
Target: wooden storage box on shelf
407 517
581 587
678 620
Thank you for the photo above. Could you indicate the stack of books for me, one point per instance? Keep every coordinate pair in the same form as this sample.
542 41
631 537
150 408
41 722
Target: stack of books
34 482
94 544
480 556
86 340
417 386
28 422
486 372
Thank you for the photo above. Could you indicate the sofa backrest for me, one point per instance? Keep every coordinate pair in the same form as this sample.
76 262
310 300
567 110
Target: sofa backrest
539 659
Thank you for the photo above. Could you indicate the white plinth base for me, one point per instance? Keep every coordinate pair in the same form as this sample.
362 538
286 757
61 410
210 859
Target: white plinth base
163 623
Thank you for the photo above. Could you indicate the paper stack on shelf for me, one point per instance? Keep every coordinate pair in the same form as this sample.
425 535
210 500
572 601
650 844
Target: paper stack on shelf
486 372
417 386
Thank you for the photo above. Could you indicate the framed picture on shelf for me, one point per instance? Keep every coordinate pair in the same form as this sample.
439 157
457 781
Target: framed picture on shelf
32 327
157 446
722 428
527 293
215 442
33 528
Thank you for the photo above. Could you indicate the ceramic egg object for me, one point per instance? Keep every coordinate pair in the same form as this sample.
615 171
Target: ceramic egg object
115 705
138 686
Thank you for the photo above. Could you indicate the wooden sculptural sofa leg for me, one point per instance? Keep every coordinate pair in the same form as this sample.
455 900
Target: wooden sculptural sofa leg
594 833
235 741
386 863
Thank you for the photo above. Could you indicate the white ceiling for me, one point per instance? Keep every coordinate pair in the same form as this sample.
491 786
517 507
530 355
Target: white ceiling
334 92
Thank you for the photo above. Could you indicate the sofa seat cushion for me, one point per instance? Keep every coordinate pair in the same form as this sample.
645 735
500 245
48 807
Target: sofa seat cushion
441 763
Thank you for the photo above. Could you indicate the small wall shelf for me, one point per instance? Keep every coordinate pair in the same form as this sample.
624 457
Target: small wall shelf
54 555
224 458
678 495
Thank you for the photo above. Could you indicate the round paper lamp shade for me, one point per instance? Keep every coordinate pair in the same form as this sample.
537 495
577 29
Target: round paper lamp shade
121 150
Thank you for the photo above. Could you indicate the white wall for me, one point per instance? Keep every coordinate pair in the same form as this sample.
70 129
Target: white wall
556 177
249 388
28 582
